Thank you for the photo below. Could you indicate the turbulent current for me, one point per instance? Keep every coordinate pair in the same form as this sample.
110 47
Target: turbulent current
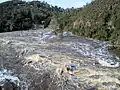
6 76
31 54
85 47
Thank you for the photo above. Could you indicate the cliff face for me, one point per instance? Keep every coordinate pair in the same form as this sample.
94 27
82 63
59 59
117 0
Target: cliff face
40 60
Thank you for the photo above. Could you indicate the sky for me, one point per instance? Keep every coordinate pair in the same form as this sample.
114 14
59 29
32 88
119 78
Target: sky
63 3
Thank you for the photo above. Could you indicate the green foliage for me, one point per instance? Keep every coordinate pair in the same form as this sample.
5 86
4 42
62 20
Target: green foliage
77 31
117 23
20 15
100 20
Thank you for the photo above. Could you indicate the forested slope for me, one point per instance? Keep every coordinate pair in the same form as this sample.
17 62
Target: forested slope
99 20
20 15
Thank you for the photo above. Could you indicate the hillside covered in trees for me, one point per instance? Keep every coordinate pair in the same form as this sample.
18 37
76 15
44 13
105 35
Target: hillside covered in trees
99 20
20 15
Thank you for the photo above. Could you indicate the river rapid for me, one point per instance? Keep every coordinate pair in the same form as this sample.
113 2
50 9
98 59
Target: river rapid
61 48
85 47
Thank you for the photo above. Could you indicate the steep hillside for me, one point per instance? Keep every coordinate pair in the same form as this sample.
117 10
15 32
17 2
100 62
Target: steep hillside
20 15
100 20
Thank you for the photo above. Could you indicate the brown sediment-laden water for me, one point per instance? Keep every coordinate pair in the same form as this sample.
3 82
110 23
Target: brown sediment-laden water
42 60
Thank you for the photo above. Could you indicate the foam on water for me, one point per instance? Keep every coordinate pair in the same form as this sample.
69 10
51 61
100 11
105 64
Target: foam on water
6 76
101 53
95 49
50 35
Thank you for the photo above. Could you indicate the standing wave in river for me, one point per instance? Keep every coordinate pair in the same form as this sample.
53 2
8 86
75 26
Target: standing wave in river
94 49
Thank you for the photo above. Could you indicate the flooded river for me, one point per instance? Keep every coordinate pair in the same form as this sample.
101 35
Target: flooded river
31 53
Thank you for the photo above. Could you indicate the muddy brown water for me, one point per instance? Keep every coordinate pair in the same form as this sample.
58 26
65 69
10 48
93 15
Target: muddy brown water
31 40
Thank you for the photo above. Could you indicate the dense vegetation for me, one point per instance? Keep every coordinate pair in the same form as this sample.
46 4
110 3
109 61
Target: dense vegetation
100 20
20 15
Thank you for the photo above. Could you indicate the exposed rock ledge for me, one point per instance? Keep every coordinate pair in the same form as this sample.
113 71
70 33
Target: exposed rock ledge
50 63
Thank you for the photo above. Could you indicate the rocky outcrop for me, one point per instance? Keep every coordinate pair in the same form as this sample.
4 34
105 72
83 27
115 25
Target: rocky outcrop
50 63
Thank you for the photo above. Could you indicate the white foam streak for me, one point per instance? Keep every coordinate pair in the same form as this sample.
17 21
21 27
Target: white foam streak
5 75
